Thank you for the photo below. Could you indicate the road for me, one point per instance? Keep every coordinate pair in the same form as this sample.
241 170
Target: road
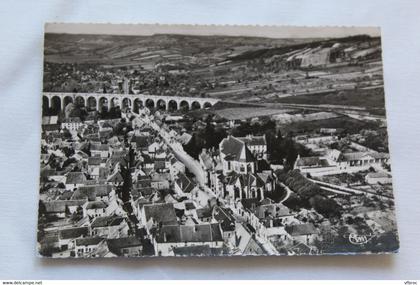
193 165
195 168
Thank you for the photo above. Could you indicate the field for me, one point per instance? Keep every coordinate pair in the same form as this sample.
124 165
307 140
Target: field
369 98
246 113
344 122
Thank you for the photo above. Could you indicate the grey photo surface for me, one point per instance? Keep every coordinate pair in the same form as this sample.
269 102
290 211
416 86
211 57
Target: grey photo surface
183 140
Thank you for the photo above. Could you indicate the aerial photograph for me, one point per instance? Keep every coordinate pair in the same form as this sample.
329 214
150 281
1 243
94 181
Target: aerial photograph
213 144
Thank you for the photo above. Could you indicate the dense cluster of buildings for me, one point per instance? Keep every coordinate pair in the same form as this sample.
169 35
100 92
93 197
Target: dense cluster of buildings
329 161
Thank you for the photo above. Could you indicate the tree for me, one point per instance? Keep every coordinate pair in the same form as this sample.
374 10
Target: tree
326 207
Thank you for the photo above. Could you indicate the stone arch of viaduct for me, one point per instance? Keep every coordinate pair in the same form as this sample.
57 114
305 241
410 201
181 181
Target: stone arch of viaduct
96 101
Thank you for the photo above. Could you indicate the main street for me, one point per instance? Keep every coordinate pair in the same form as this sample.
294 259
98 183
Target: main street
195 168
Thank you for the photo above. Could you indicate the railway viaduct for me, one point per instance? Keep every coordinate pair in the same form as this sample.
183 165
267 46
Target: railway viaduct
97 101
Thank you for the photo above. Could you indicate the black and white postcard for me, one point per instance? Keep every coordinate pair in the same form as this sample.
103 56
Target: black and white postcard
178 140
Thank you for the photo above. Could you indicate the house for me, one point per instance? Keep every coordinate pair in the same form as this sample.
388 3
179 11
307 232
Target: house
236 156
161 165
183 185
153 148
126 246
75 180
109 227
378 178
257 145
157 214
184 138
94 209
175 167
97 192
304 233
204 215
94 164
159 181
366 159
66 236
273 214
170 237
85 246
207 163
246 243
60 208
303 163
49 120
100 150
227 222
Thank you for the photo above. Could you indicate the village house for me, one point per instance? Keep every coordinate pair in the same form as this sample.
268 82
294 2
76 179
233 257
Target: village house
170 237
204 215
94 209
273 215
245 241
61 208
156 215
109 227
100 150
227 222
184 186
96 192
175 167
68 235
87 245
126 246
75 180
304 233
94 164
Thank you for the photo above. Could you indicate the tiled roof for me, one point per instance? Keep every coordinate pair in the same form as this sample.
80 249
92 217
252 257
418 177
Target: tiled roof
189 233
225 218
311 161
161 213
75 178
236 149
88 241
115 245
185 183
96 205
362 155
72 233
94 160
107 221
92 191
59 206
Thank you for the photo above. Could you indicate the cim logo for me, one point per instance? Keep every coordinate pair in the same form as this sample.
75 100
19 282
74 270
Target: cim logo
360 239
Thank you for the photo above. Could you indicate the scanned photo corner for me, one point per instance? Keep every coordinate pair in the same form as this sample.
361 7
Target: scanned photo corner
183 140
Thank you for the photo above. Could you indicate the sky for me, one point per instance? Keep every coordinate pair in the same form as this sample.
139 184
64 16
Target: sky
253 31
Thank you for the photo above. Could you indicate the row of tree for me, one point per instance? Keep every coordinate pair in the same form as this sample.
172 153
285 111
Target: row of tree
307 194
